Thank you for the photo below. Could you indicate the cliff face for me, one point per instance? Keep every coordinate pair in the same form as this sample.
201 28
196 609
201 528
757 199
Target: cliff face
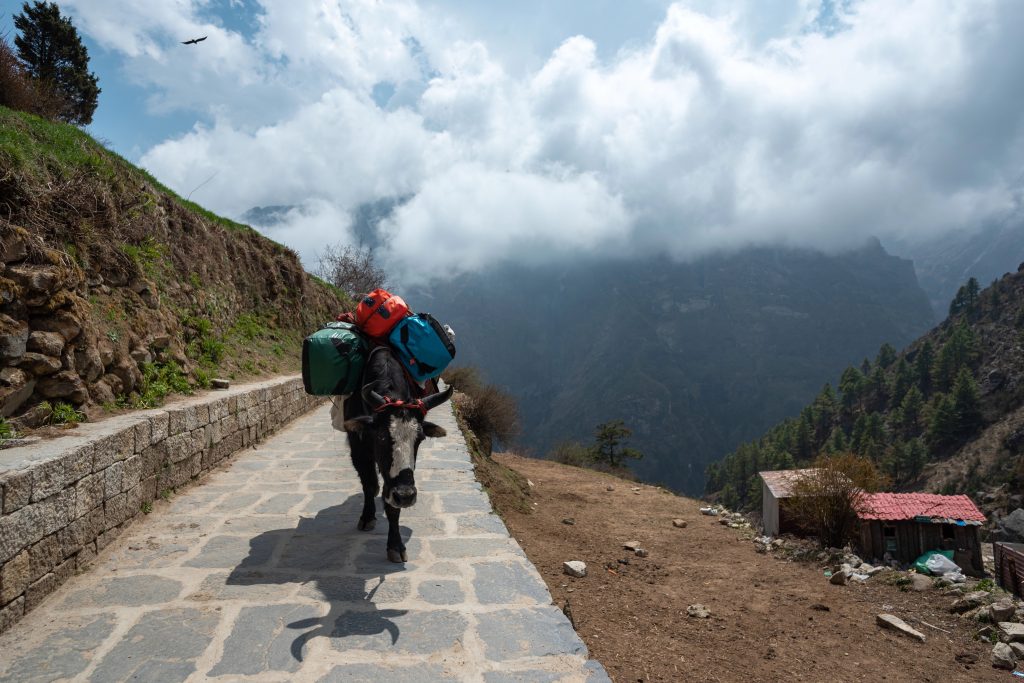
113 291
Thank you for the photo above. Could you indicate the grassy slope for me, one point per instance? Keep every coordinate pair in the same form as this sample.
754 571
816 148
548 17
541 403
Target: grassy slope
233 302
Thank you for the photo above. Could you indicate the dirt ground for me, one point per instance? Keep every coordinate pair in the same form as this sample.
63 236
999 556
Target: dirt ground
771 619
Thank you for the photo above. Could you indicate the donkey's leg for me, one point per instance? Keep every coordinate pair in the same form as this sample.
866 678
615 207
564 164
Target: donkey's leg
367 471
396 549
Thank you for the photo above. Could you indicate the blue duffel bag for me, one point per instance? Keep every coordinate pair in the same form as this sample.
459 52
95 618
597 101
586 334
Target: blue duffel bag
422 345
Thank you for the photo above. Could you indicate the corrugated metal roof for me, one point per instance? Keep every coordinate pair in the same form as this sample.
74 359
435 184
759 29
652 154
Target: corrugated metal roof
781 482
908 506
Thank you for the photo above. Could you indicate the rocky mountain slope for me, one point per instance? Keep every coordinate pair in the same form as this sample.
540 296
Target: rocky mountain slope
696 358
946 414
114 291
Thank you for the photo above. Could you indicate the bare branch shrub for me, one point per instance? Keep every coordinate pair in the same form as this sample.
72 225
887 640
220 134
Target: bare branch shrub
353 270
19 91
825 498
489 411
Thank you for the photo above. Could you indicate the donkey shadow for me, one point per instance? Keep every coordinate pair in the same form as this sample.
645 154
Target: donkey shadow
318 552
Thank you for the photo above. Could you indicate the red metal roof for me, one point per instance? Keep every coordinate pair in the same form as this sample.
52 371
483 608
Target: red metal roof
904 506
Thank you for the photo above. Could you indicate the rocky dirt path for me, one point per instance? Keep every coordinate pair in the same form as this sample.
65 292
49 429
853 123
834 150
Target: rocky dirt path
259 574
770 619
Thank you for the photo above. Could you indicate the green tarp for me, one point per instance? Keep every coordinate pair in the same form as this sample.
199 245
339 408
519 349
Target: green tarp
333 359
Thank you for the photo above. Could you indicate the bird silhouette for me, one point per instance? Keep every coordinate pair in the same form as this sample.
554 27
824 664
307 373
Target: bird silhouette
193 41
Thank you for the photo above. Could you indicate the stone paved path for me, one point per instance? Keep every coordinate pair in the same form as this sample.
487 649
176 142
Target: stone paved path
260 574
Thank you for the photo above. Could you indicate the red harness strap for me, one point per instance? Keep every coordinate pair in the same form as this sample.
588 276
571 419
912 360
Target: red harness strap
403 405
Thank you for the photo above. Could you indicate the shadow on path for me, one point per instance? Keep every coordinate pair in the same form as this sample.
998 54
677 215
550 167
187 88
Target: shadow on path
345 567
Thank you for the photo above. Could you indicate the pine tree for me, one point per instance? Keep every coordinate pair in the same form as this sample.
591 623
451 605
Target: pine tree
53 54
886 356
902 380
851 384
608 448
943 425
923 367
966 403
908 414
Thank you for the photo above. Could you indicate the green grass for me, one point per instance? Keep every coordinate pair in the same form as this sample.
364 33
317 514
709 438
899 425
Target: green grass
6 432
147 255
159 380
30 144
61 413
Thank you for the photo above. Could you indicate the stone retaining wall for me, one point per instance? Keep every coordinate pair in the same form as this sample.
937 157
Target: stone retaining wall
64 500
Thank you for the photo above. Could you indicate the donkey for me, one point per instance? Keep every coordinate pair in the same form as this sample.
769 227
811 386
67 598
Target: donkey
385 426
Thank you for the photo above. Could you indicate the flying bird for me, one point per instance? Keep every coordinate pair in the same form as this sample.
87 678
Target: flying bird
193 41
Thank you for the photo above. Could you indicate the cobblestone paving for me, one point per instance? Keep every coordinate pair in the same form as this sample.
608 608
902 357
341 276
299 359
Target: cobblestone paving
260 574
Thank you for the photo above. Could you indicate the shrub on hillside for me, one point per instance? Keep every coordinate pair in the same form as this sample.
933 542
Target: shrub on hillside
824 501
18 91
353 270
490 412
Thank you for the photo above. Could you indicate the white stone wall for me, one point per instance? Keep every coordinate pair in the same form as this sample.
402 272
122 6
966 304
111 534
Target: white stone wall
65 499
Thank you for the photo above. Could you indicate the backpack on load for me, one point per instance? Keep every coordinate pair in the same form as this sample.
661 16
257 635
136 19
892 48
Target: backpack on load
423 346
333 359
379 312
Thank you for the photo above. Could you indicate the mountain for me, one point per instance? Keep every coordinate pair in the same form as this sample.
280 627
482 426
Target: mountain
696 358
943 264
946 414
114 291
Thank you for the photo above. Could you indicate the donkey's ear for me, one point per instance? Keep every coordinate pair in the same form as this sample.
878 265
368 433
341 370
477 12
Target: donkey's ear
431 429
358 424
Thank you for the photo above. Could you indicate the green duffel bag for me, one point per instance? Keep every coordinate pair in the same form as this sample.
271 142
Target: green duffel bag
333 360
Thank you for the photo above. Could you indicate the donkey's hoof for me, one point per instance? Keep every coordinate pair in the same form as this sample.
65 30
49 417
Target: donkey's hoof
397 555
367 524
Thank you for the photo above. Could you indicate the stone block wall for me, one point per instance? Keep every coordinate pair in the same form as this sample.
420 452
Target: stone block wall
64 500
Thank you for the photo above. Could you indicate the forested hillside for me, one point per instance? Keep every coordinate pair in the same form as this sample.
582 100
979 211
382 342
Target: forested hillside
695 358
958 387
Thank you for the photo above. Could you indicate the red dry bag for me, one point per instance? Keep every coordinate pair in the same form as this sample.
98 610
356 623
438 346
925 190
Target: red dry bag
379 312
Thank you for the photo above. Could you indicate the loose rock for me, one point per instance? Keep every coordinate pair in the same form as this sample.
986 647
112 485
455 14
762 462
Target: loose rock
640 552
920 582
569 520
1003 657
894 623
631 545
969 602
610 488
839 578
1001 611
679 523
221 384
698 611
575 568
1011 632
710 512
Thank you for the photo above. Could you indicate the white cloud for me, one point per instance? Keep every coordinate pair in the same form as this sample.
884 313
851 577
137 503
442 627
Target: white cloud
816 125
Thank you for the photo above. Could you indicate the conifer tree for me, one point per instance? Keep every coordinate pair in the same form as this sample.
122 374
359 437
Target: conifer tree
943 425
966 403
52 53
908 414
886 356
923 367
608 448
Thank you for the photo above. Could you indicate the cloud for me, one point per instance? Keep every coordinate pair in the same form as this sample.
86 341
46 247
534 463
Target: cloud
818 125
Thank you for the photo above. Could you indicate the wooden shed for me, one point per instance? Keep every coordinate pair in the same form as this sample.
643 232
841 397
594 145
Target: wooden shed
906 525
777 488
1010 567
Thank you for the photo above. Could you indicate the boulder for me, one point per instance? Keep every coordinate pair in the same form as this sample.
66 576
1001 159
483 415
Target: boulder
1003 610
1010 528
1003 657
64 385
13 247
221 383
1018 649
159 341
13 338
894 623
37 282
88 363
698 611
106 351
920 582
1011 632
128 372
39 364
575 568
49 343
62 322
16 386
101 393
839 578
641 552
141 355
114 382
631 545
969 602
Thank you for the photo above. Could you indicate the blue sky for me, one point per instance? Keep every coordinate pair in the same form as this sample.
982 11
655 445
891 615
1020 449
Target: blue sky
544 130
